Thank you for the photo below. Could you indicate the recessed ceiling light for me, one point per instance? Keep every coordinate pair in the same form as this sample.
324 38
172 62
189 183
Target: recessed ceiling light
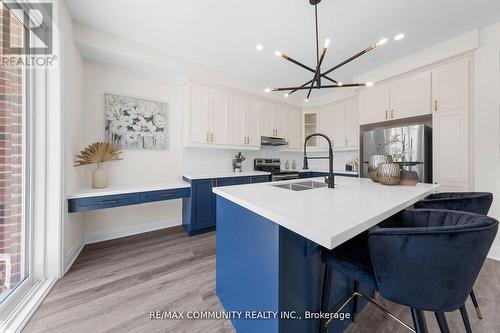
399 37
382 41
259 47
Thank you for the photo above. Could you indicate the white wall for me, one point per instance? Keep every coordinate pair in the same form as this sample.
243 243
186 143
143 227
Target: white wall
137 167
486 119
72 66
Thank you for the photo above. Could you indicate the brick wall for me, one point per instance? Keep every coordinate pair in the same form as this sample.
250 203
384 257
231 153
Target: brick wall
11 119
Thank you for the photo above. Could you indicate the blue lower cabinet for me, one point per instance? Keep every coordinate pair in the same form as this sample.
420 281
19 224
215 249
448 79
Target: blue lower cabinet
261 179
199 209
164 195
303 175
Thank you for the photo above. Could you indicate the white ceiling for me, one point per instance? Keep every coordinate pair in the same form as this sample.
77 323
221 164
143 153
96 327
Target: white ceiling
222 34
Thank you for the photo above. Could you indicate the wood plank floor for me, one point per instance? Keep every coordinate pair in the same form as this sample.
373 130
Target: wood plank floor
114 285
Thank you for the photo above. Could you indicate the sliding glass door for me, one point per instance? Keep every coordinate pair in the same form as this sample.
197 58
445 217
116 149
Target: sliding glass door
14 160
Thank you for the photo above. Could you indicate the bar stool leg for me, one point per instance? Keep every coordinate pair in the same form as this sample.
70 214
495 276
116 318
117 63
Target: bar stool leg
325 299
465 317
355 302
419 321
476 305
443 324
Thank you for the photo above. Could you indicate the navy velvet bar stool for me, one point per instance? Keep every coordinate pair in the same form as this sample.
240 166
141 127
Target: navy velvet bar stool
429 263
473 202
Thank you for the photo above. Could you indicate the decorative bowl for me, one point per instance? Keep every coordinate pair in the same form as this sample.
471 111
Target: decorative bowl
388 173
373 164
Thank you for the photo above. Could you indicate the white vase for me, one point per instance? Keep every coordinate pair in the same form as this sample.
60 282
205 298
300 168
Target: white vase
100 177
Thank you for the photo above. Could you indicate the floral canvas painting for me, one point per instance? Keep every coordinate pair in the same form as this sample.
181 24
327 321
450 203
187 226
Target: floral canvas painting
133 123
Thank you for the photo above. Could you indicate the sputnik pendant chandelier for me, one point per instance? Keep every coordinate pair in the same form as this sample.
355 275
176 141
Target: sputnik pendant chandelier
316 82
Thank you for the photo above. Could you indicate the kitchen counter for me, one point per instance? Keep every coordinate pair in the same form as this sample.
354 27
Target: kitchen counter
212 175
270 240
326 216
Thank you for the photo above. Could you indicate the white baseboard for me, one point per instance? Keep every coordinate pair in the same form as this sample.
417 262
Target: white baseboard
494 252
131 230
70 258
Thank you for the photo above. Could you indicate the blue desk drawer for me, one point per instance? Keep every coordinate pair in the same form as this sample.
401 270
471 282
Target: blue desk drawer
242 180
164 195
102 202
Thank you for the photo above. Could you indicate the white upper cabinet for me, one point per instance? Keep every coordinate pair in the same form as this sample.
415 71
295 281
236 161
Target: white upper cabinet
402 98
252 122
374 104
293 131
220 117
352 123
339 121
238 120
451 105
198 113
273 120
411 96
267 120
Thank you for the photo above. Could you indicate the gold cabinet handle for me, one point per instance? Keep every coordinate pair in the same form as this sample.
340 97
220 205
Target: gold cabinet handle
392 114
435 105
386 114
208 137
211 137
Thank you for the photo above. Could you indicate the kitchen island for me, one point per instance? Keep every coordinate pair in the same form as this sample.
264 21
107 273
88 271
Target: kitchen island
269 242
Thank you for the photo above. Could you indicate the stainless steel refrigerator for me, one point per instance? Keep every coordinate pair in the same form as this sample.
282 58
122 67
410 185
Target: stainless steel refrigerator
409 145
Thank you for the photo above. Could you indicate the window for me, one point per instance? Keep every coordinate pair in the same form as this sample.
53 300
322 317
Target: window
14 220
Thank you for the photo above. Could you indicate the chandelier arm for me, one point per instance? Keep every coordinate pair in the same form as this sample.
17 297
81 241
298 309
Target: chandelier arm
329 79
305 87
295 89
317 74
368 49
286 57
317 34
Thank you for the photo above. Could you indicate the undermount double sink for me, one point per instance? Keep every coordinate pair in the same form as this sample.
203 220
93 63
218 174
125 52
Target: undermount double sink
308 185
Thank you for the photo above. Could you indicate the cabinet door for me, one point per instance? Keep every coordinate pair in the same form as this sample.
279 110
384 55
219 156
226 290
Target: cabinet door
220 117
253 113
237 121
451 146
203 202
198 113
267 119
411 96
352 123
451 88
374 104
293 132
279 121
447 186
332 123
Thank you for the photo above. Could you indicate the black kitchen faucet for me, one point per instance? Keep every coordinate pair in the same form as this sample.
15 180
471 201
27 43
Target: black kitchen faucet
330 180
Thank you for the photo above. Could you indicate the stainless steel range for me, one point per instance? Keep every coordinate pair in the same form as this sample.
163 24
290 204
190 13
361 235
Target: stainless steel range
273 165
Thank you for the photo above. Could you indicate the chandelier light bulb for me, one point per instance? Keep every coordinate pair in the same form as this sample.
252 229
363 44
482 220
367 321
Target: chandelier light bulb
285 95
382 41
278 53
306 100
327 43
369 84
340 84
267 90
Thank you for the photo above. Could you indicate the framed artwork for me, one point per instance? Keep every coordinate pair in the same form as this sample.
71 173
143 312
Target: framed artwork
133 123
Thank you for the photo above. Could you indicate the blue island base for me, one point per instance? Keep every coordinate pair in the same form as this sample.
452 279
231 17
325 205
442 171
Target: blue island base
264 270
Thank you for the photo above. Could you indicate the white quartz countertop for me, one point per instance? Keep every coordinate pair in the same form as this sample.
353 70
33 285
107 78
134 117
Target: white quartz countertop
114 190
211 175
326 216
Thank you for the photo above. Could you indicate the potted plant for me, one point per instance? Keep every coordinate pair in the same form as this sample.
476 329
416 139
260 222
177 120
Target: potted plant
98 153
